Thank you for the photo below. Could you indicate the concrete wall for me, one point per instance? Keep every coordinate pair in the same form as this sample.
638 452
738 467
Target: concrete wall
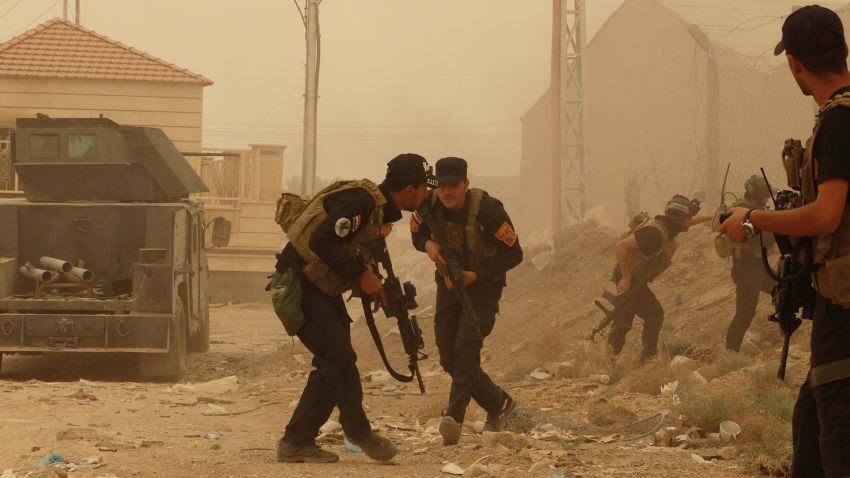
644 108
646 111
536 168
176 108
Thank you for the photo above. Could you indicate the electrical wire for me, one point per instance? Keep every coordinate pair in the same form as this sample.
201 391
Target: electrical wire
36 18
10 9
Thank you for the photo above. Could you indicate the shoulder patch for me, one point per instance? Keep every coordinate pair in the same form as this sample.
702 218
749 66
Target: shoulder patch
506 234
343 228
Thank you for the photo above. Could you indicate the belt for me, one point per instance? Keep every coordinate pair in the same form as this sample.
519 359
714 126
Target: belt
830 372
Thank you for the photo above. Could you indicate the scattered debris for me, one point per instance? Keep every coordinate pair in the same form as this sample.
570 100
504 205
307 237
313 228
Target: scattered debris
540 375
213 387
452 469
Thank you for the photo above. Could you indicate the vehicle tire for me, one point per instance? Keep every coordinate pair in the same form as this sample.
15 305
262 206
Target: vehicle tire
172 364
200 342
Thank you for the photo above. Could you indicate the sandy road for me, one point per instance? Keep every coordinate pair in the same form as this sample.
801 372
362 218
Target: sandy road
91 406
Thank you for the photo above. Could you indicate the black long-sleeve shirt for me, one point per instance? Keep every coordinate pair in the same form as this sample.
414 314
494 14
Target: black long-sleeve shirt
496 229
347 212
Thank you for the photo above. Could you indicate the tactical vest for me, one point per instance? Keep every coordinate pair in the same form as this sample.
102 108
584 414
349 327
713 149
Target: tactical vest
831 251
466 239
316 270
646 267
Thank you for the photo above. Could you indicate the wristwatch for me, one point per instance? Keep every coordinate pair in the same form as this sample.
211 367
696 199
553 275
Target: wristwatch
749 230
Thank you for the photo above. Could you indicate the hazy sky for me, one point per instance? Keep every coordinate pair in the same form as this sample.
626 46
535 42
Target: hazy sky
436 77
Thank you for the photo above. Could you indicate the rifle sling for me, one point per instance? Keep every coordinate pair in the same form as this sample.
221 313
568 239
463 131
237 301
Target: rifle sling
376 336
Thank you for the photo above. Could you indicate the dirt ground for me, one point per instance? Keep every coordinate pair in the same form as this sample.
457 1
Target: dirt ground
89 407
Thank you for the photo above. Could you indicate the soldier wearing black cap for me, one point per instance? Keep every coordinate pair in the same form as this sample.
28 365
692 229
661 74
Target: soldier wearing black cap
481 234
322 247
814 44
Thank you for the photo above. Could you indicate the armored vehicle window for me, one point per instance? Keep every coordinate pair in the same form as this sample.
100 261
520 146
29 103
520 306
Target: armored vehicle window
44 145
81 145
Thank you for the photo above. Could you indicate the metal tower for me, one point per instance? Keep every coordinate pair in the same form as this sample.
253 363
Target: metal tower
573 192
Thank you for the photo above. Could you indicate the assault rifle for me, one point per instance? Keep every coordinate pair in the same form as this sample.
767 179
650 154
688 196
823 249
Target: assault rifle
621 301
454 267
793 296
401 298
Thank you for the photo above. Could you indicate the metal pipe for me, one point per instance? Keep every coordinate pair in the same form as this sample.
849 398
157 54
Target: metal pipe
83 274
57 265
39 275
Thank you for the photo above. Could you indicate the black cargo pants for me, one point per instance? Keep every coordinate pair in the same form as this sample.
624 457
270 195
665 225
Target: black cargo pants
335 381
821 423
459 341
750 278
645 305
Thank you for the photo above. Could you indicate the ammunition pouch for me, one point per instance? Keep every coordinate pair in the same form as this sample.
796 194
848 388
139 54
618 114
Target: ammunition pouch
793 155
289 206
721 247
285 288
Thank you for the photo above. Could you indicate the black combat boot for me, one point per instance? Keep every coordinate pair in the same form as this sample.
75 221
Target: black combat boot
289 453
496 422
450 429
376 447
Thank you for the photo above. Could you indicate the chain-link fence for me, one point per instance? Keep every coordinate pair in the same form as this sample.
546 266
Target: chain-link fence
758 111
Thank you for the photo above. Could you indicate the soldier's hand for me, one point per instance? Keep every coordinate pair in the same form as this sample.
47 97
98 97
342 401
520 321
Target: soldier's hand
371 285
468 278
732 225
433 250
624 285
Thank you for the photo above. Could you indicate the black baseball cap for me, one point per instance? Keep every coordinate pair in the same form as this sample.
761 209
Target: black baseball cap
451 170
811 30
408 168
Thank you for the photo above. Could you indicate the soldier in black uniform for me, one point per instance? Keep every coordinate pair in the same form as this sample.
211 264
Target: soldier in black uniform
748 271
648 250
482 235
814 44
322 247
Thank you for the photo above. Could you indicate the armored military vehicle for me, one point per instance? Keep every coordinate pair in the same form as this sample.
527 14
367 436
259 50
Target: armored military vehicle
105 251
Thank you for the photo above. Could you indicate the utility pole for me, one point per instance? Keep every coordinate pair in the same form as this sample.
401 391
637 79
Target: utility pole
65 10
311 89
569 168
77 13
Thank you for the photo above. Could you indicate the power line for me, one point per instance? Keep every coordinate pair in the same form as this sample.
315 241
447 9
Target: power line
357 127
36 18
10 9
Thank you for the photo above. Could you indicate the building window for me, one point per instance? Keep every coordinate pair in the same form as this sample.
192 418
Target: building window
44 146
82 145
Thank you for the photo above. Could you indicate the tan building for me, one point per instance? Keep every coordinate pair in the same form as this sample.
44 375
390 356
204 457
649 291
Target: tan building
244 186
672 87
64 70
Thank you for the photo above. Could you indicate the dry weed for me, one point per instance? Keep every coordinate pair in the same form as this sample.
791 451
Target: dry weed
647 378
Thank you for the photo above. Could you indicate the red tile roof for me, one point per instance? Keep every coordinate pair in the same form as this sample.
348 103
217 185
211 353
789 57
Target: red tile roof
61 49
